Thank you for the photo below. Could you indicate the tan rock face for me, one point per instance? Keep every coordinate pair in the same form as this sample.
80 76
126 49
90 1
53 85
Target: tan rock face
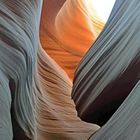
39 73
71 28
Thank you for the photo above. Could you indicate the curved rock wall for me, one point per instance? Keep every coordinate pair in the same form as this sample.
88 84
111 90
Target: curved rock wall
33 86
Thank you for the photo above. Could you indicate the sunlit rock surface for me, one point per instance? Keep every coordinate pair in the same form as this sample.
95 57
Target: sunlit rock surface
68 29
34 89
41 44
111 68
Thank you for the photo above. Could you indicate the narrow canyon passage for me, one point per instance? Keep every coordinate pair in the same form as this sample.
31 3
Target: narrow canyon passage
65 74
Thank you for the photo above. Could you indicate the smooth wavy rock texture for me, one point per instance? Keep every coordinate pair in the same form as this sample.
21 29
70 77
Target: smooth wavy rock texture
34 89
41 44
68 29
124 124
111 68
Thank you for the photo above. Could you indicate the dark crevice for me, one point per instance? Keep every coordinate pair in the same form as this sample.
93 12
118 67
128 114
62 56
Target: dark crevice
18 133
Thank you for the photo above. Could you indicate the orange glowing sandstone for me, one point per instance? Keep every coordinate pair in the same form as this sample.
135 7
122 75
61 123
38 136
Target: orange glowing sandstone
68 29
